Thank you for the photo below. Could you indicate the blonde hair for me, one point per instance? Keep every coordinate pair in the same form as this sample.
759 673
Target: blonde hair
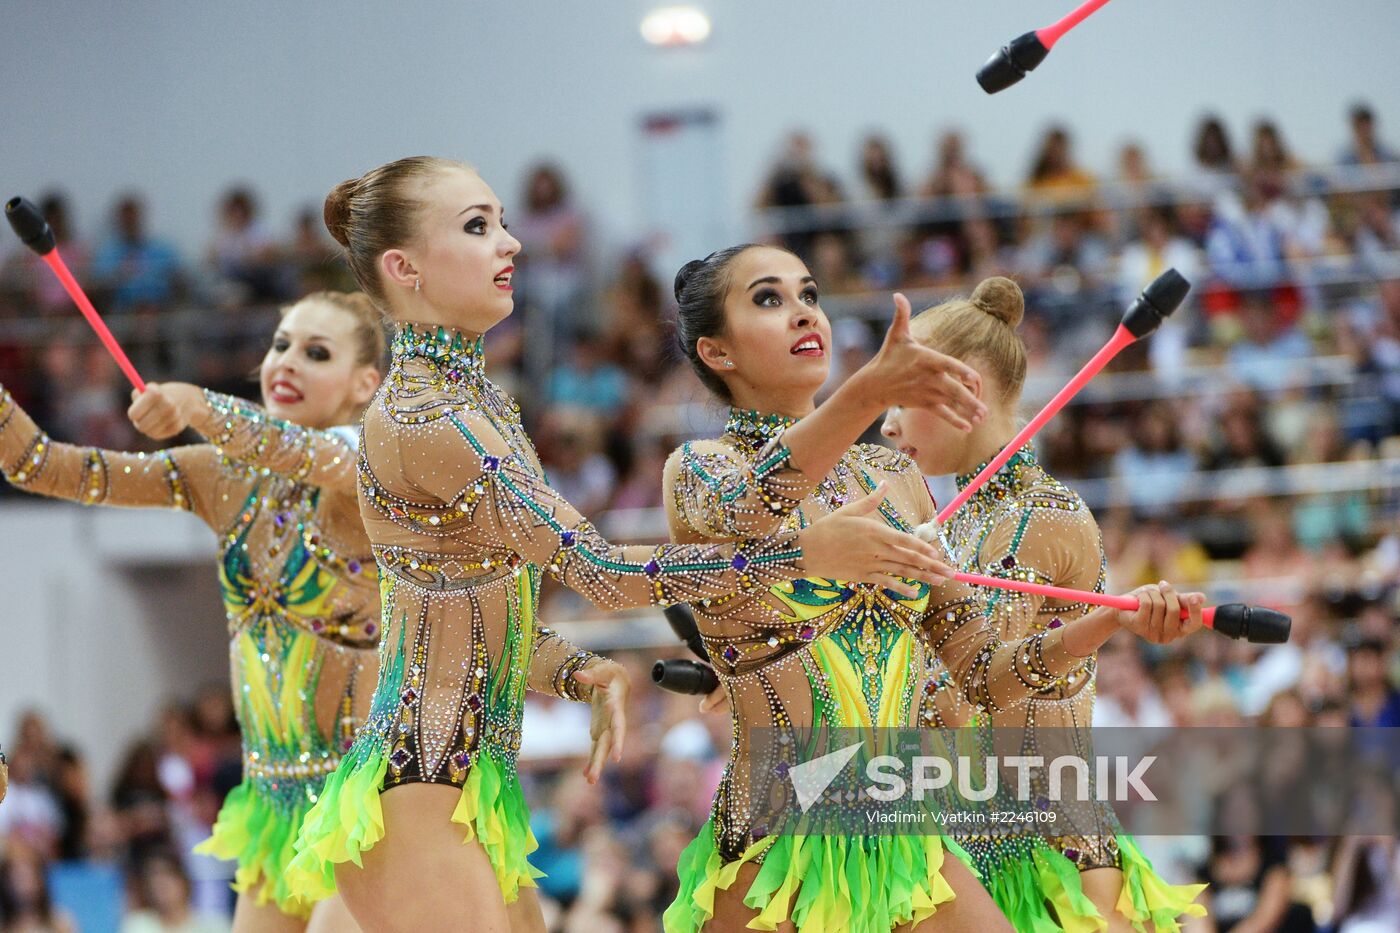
370 339
379 211
982 327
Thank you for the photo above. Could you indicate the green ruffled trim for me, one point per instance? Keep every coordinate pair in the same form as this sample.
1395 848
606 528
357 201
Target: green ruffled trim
1042 893
1146 896
492 808
348 821
261 838
822 884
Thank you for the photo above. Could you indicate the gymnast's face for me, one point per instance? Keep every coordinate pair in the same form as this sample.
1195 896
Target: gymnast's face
311 374
462 254
936 446
775 333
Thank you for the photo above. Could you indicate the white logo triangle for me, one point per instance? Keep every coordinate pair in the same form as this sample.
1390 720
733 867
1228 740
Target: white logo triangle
811 778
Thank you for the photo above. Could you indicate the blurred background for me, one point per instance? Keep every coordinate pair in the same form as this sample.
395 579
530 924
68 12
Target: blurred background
1251 448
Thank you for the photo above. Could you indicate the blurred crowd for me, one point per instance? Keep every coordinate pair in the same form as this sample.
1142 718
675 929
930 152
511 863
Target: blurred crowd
1248 447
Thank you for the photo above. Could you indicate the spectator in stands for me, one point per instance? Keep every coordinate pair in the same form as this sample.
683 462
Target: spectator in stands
1215 157
1133 171
1062 267
1126 695
1375 702
552 269
1251 886
1270 156
635 328
1246 243
953 175
137 268
163 900
797 180
30 816
72 792
1367 877
570 446
1156 468
1366 148
1055 175
314 261
25 906
880 186
1269 352
244 254
139 801
588 378
879 176
833 265
1157 248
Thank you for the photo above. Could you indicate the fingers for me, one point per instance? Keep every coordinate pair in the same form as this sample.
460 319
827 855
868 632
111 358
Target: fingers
617 702
1171 614
953 418
953 392
599 754
1141 621
1195 607
961 373
865 505
713 700
154 413
899 327
894 584
909 562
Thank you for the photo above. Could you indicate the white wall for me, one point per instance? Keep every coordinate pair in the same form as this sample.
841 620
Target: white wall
105 614
181 98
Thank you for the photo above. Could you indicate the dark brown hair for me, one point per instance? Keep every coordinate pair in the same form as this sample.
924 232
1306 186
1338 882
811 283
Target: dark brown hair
701 285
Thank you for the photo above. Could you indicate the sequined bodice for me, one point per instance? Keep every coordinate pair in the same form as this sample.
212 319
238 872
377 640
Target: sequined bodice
279 564
463 524
1024 524
299 590
816 652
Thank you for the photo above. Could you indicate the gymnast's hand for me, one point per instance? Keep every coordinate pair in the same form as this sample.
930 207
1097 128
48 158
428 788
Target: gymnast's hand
611 686
855 544
905 373
717 700
1158 616
164 409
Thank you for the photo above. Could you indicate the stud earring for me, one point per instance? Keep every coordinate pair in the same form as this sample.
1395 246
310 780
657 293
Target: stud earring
417 285
729 364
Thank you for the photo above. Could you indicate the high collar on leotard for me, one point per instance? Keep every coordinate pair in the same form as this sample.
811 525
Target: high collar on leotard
1013 477
442 348
753 428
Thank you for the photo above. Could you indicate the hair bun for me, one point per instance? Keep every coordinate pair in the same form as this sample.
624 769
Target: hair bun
1002 299
683 276
337 211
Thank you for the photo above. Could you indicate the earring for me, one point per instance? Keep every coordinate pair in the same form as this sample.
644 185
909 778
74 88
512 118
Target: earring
417 285
729 364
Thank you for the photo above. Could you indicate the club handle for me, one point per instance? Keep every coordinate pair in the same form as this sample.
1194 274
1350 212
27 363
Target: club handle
1156 303
30 226
682 622
681 675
